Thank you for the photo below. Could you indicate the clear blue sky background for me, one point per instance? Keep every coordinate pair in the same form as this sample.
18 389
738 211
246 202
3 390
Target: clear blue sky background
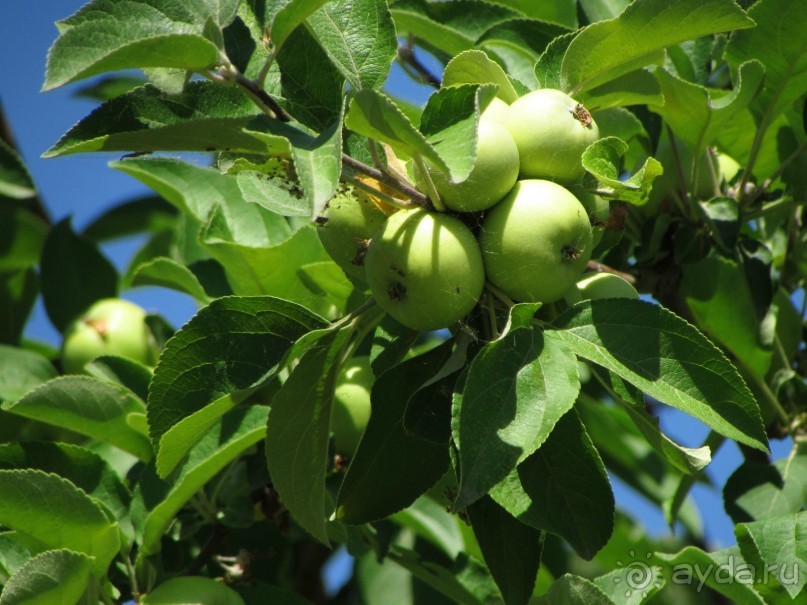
83 186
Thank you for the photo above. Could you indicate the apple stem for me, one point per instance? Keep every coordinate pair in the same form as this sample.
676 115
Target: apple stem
416 196
388 199
427 179
500 295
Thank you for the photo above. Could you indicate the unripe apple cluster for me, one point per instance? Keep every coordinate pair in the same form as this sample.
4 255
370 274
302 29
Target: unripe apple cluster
512 222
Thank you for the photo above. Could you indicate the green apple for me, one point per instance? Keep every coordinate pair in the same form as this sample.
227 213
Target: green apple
605 285
493 175
598 210
345 228
551 131
496 111
351 405
192 590
425 269
109 327
536 242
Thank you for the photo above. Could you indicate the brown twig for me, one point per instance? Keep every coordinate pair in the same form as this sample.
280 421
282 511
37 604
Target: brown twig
219 534
384 178
260 94
406 54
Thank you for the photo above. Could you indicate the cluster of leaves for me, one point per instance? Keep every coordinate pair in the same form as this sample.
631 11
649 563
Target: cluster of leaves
483 466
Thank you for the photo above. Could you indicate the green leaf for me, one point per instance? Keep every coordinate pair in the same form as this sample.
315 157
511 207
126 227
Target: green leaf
376 116
90 407
756 492
668 359
23 235
475 67
516 390
430 520
512 550
606 50
57 514
22 371
273 193
602 159
775 546
563 489
692 112
574 590
55 577
516 44
563 12
637 87
685 459
632 584
392 468
718 295
318 164
109 36
298 432
15 180
777 42
168 273
693 567
225 440
225 348
149 214
463 580
291 15
108 87
447 28
311 86
358 37
204 117
13 554
67 261
600 10
450 122
260 268
193 189
83 468
18 293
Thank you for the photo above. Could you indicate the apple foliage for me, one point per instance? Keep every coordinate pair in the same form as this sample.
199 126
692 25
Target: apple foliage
484 473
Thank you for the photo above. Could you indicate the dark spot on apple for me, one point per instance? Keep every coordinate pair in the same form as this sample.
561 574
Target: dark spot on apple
570 253
397 270
397 291
321 220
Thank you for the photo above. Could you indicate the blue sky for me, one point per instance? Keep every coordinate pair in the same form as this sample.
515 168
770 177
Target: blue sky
83 186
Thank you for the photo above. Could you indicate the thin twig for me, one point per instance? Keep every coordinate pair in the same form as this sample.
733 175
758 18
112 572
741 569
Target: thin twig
601 268
777 173
219 534
388 199
406 54
381 177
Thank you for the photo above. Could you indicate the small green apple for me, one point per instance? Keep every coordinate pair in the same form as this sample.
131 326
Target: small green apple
425 269
345 228
493 175
496 111
192 590
111 326
351 405
598 210
669 182
551 131
605 285
536 242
